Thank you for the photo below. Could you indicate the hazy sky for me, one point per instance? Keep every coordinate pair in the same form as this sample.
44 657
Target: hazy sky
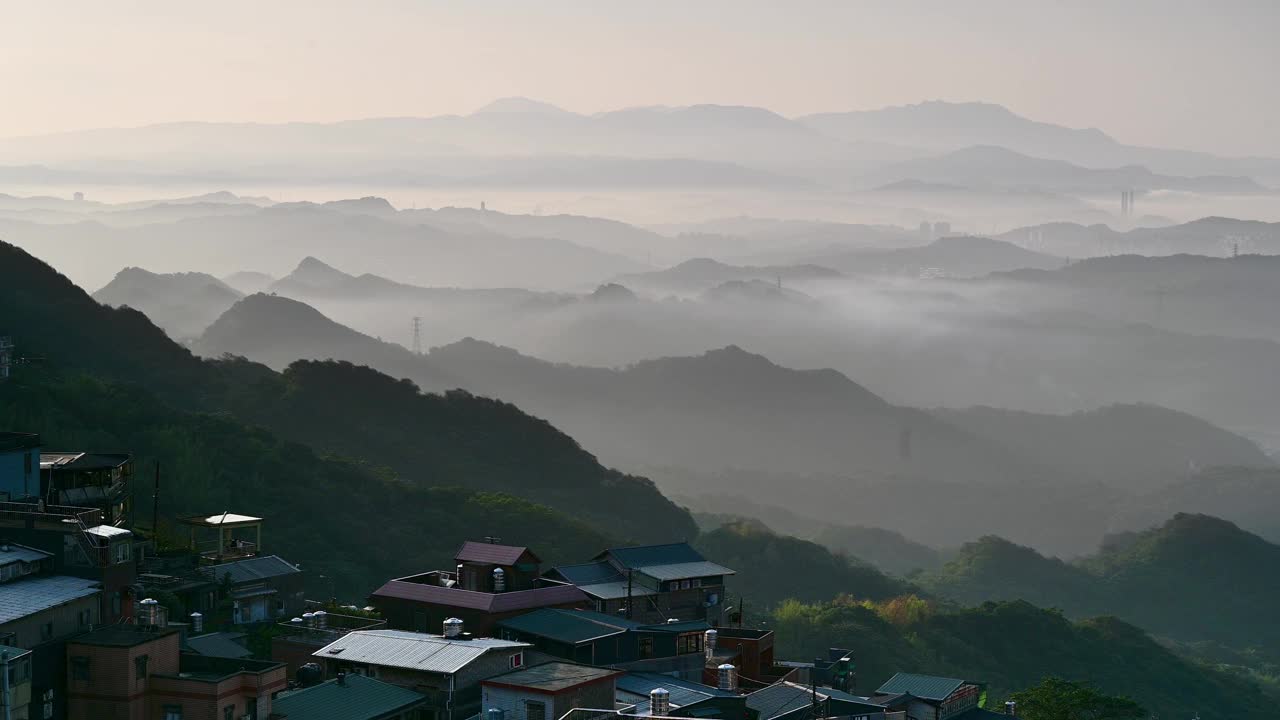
1160 72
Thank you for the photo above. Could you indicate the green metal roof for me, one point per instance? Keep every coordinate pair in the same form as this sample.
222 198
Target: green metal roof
568 626
927 687
360 698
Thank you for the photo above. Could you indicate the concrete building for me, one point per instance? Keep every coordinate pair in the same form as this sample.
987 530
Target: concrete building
19 465
448 670
263 589
132 671
88 479
490 583
593 638
548 691
15 696
928 697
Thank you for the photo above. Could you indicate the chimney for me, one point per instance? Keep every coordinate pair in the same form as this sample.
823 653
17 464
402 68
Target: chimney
728 677
453 628
499 580
659 702
1011 708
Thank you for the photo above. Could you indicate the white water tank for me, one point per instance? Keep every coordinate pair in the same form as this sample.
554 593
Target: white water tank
709 642
197 622
659 702
499 580
728 677
452 628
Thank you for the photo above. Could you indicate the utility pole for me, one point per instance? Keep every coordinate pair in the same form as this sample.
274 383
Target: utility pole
630 573
155 511
417 335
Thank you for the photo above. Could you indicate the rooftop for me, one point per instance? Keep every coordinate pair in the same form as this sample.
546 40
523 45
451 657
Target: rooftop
121 635
223 520
568 626
615 590
673 561
590 573
552 677
11 441
784 697
491 553
926 687
207 668
24 597
407 589
356 698
219 644
634 687
411 650
10 553
107 531
648 555
258 568
82 460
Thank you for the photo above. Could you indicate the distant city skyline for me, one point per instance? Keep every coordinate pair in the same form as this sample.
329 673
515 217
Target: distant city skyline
1187 75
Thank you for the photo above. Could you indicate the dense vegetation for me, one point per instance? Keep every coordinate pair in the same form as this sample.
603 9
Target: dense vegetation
342 518
773 568
1195 578
427 440
1012 646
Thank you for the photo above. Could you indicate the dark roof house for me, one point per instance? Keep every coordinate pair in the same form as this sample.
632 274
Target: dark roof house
354 697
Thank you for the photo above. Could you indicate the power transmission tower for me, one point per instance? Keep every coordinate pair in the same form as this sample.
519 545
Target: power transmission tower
417 335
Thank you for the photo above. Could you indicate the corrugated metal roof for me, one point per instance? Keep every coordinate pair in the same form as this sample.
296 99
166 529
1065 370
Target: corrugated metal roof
107 531
615 590
410 650
552 676
491 554
82 460
219 644
21 598
589 573
681 571
928 687
784 697
22 553
568 626
259 568
488 602
647 555
634 687
358 698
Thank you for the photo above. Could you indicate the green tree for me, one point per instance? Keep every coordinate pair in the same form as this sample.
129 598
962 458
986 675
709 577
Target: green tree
1058 699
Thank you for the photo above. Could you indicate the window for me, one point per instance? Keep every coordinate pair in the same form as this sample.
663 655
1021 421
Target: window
697 582
251 708
172 712
229 712
646 647
80 668
688 643
46 699
535 710
123 552
686 584
46 631
140 668
116 601
517 660
84 617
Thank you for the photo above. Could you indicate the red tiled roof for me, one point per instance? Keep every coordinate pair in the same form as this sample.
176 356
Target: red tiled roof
491 554
487 602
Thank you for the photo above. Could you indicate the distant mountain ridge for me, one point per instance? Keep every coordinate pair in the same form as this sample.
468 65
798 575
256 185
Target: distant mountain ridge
184 304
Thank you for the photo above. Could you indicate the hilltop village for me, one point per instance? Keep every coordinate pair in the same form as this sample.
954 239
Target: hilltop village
101 617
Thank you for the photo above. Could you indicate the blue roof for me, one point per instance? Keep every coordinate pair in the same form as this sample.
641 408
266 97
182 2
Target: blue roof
683 692
589 573
927 687
252 569
650 555
360 698
568 626
783 697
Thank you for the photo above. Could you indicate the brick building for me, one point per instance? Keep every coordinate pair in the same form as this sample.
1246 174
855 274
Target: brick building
132 672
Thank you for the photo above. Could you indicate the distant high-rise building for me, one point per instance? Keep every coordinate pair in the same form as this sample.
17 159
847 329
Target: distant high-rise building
78 197
926 231
941 229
